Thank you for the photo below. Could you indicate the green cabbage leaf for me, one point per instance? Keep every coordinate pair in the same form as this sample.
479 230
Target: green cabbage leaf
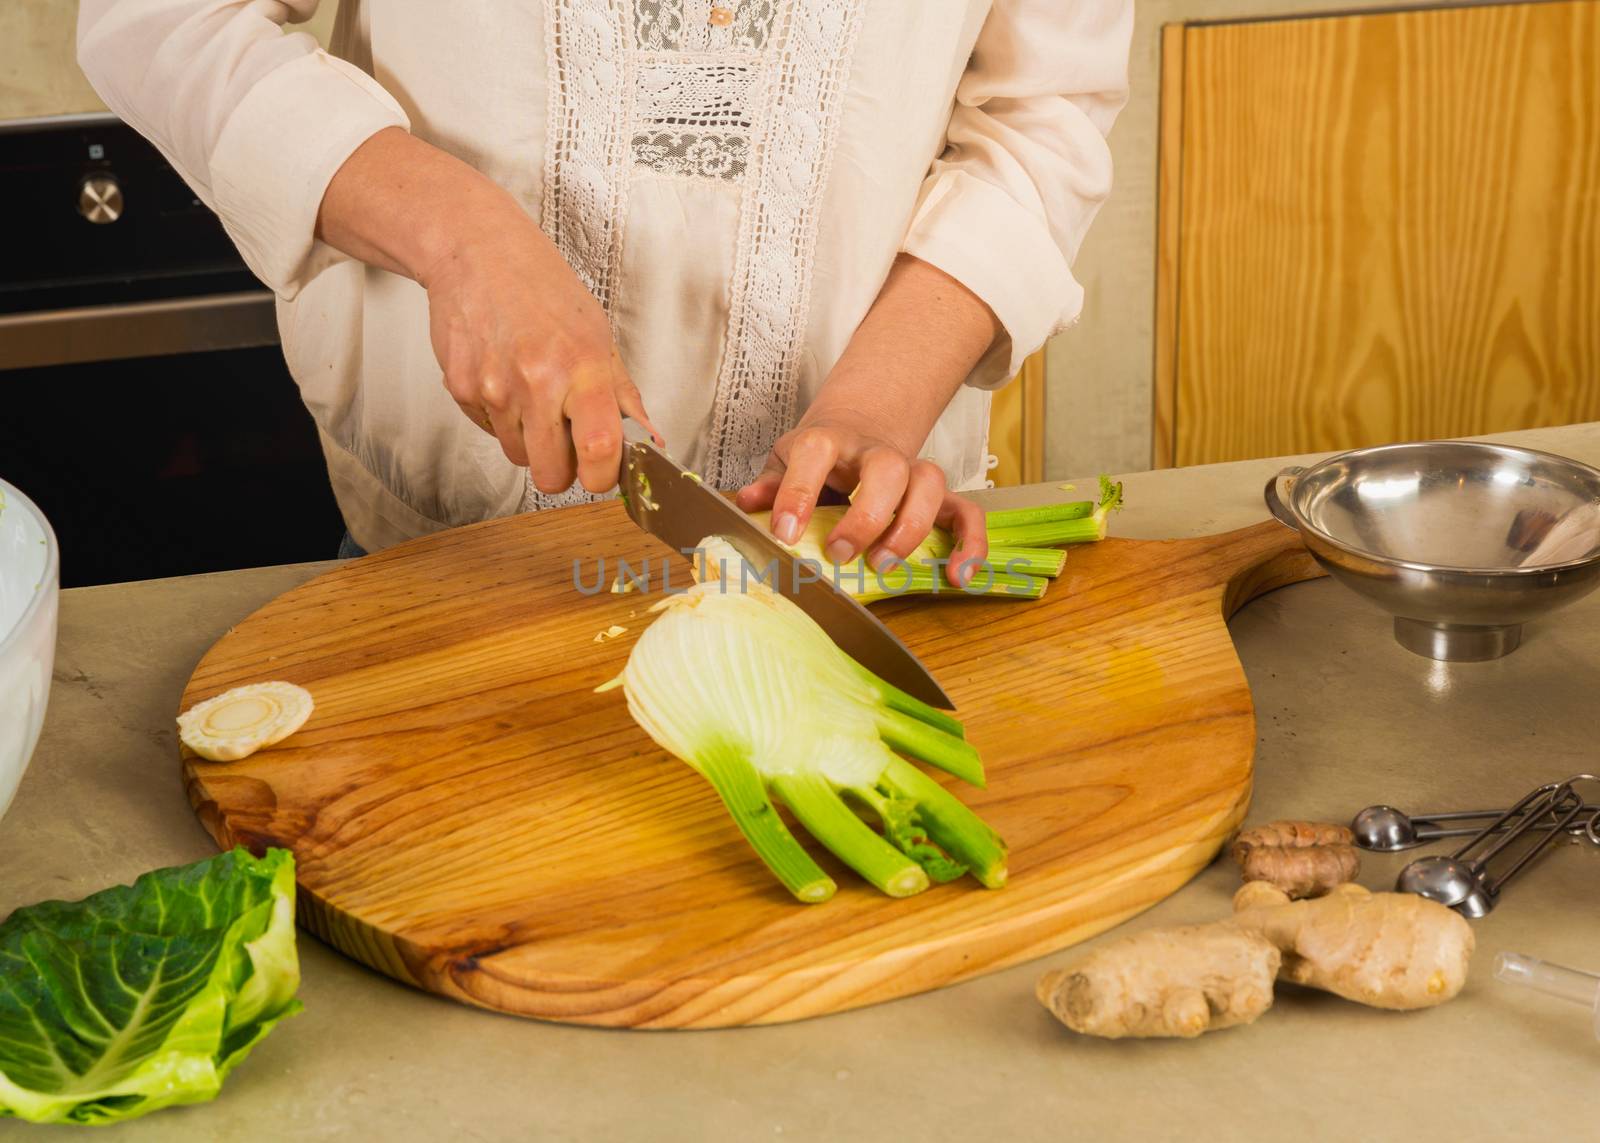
145 995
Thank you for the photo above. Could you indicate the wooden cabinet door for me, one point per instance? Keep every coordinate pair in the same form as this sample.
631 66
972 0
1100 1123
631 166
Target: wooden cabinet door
1016 427
1378 227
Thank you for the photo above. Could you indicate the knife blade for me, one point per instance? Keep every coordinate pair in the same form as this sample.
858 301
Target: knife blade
670 503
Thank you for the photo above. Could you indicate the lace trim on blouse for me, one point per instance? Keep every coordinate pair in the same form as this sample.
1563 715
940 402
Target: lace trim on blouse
770 299
659 88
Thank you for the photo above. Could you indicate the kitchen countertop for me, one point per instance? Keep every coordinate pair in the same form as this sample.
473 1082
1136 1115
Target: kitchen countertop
1345 717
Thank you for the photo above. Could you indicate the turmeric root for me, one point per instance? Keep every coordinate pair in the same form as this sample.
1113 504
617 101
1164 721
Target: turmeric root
1386 950
1165 982
1304 859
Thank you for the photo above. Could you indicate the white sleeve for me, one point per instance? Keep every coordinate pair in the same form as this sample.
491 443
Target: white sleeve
256 121
1026 166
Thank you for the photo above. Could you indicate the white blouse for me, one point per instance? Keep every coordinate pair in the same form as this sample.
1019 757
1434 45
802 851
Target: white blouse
733 190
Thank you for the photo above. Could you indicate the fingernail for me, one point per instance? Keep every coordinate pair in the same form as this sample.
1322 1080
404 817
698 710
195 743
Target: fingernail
840 551
786 526
964 573
882 559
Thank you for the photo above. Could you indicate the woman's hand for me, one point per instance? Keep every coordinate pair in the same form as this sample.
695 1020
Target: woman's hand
525 348
528 355
897 499
917 344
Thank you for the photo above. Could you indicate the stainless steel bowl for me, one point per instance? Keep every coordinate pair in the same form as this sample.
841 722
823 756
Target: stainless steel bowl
1461 542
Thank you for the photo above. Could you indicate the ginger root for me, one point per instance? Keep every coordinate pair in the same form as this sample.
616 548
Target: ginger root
1386 950
1165 982
1304 859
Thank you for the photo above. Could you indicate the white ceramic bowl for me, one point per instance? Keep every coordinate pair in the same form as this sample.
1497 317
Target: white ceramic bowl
30 583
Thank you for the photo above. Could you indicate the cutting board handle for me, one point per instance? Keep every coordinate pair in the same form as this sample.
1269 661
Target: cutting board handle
1252 561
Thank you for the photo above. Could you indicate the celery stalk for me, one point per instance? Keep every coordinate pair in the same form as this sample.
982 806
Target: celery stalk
817 807
933 745
739 785
1024 551
1082 521
1038 514
911 579
1083 530
1046 562
957 830
894 698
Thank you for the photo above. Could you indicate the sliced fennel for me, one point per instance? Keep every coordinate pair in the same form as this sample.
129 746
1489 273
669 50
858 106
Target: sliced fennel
745 688
1024 551
237 723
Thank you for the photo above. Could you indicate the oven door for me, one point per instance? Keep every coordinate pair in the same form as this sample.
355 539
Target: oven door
163 438
144 403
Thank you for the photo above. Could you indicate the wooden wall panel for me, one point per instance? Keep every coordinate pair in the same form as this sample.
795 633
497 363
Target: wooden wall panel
1016 426
1169 191
1390 228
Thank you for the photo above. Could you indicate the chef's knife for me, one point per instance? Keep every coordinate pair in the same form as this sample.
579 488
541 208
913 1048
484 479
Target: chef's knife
672 505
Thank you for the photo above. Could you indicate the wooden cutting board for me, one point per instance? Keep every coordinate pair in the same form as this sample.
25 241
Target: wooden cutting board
469 817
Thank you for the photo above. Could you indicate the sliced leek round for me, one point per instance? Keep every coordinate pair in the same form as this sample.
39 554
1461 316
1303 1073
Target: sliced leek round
237 723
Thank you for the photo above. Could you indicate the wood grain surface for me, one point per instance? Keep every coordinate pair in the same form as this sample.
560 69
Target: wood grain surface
469 817
1169 198
1017 426
1390 228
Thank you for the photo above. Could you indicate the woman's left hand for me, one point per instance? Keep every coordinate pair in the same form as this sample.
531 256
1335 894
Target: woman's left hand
895 499
862 432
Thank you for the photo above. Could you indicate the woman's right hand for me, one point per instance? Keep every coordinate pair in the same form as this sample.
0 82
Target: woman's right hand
526 349
528 355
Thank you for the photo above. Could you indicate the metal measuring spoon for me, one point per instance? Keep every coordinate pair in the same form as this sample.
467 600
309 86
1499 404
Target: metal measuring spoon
1463 881
1449 881
1384 829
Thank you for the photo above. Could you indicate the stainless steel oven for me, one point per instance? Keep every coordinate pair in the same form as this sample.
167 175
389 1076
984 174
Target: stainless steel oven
144 403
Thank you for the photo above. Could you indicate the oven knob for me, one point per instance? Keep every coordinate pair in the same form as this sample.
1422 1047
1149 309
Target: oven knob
100 199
